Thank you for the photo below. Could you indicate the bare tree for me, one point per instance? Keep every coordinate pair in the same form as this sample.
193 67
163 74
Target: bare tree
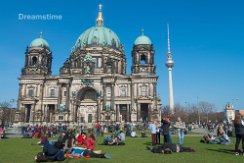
206 108
5 113
165 110
180 111
195 113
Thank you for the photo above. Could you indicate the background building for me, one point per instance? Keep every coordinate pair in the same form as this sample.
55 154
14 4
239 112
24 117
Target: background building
229 112
92 85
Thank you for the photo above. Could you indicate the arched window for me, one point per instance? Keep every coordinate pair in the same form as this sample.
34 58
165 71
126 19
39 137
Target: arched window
52 92
30 91
143 59
34 61
123 90
108 91
143 90
89 118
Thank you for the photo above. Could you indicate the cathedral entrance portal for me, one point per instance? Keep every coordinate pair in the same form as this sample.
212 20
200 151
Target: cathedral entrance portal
87 109
50 113
144 112
28 113
123 112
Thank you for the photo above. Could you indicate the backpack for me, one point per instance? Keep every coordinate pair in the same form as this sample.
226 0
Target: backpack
41 157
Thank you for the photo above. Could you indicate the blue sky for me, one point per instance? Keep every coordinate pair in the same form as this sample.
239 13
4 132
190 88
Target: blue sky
207 41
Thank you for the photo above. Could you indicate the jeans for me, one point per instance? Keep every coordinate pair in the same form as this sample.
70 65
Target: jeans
97 132
167 139
157 137
170 137
239 138
180 137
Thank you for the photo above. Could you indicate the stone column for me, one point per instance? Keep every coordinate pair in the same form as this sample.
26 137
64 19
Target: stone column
24 90
112 96
117 113
154 90
104 95
149 112
98 109
67 96
59 95
128 112
73 111
138 112
112 100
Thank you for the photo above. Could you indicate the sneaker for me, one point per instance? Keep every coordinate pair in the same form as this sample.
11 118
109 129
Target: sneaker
109 156
162 151
236 153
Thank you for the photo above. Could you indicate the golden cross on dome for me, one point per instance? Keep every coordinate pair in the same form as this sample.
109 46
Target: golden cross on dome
100 15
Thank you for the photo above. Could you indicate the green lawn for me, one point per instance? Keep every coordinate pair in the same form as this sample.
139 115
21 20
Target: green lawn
17 150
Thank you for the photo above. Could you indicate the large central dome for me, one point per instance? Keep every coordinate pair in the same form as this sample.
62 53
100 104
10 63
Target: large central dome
98 36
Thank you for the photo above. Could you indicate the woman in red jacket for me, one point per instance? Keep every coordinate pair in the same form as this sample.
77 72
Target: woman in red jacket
88 142
79 139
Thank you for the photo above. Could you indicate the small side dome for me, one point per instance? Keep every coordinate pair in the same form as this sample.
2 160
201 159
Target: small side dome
142 40
39 42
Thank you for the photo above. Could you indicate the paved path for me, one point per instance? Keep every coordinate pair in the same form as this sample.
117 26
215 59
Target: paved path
13 132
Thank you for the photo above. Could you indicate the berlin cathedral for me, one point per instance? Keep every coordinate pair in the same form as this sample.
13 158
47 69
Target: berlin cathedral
92 85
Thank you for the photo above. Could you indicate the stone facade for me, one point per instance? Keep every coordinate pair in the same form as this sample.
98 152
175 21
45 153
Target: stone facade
229 113
92 85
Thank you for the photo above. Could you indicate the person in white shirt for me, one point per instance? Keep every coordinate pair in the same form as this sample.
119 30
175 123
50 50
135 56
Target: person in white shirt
180 126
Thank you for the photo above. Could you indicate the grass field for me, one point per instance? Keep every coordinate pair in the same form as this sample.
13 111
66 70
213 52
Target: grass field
18 150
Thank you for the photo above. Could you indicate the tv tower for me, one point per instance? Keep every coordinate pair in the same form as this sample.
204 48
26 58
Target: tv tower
170 64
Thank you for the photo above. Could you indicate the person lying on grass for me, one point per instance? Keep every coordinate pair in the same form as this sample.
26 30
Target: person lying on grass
79 152
169 148
88 150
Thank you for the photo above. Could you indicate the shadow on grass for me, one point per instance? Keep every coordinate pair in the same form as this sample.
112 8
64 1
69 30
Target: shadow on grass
147 143
228 151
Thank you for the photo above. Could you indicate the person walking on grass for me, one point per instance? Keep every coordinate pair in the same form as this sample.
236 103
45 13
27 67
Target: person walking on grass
165 127
153 129
158 132
239 131
180 126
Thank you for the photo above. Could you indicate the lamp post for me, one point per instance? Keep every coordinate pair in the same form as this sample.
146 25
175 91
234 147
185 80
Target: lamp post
198 112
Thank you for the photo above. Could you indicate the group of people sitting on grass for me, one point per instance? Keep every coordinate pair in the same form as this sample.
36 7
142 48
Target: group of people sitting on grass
115 138
221 138
70 144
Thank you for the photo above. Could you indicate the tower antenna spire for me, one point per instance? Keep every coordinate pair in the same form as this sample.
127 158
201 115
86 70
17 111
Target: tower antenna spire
168 38
100 15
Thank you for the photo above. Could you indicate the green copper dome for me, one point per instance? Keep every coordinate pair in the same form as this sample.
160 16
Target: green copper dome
98 36
39 42
142 40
